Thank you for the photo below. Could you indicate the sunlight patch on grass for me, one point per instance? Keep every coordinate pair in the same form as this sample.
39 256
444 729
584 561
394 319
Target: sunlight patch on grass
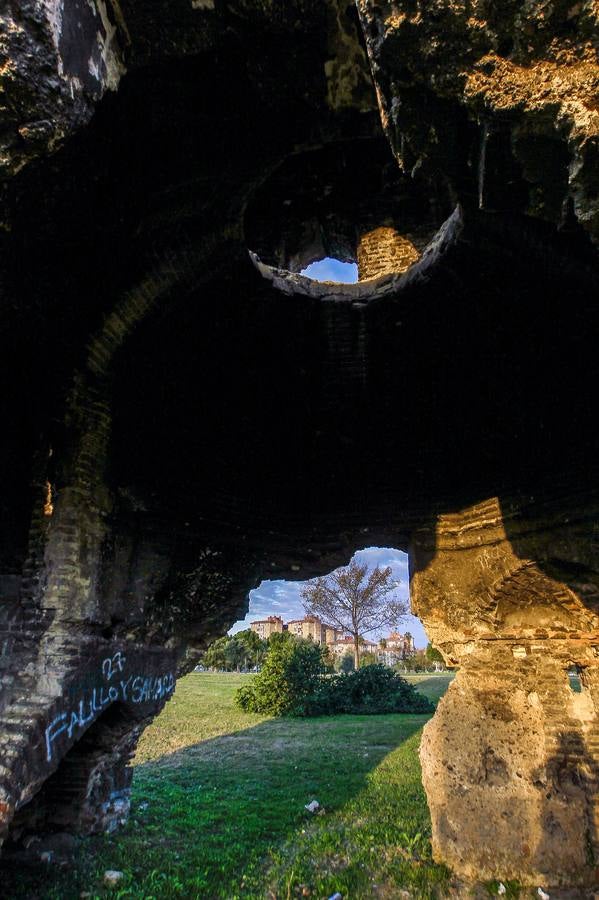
377 843
202 708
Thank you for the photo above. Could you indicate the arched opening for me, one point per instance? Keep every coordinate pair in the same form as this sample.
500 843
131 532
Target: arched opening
284 787
345 202
88 793
332 270
575 678
277 605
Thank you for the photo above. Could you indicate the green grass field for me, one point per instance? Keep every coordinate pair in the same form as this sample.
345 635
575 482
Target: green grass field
218 808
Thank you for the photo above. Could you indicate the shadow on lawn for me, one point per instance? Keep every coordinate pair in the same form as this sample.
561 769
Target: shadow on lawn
206 814
433 686
301 737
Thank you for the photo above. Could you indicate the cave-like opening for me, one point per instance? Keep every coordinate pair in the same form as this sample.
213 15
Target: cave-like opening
276 605
88 792
332 270
314 208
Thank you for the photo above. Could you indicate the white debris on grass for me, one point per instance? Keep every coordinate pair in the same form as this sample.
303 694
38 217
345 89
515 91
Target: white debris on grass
336 896
313 806
542 894
501 888
112 877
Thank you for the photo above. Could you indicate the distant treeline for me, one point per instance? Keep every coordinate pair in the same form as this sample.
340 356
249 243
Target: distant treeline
246 652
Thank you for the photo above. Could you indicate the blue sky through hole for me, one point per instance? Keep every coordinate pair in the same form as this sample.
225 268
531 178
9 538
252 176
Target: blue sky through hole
329 269
283 598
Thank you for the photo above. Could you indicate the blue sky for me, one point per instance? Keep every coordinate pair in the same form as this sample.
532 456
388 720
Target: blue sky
282 598
329 269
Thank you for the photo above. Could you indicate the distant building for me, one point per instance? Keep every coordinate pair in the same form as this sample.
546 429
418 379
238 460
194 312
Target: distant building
396 648
390 650
389 657
331 634
343 645
308 627
265 627
312 628
402 642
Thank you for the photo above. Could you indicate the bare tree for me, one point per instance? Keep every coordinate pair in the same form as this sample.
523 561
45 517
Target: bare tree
355 600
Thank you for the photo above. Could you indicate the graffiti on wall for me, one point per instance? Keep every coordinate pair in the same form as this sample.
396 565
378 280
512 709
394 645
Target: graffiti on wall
114 687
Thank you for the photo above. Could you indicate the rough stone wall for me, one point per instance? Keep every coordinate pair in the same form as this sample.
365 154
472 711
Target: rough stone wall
57 59
73 654
66 674
383 251
468 89
511 759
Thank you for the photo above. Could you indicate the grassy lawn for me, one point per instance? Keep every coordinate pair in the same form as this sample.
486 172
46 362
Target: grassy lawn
218 808
432 686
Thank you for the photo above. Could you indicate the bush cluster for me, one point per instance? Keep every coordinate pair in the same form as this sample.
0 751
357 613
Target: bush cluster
369 690
296 681
290 675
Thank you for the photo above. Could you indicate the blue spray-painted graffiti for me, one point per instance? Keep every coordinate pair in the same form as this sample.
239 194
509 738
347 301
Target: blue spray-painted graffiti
134 689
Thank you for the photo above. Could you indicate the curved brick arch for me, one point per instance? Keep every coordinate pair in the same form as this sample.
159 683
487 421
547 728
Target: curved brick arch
66 688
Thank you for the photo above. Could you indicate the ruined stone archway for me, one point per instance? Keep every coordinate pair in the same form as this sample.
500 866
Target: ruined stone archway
201 421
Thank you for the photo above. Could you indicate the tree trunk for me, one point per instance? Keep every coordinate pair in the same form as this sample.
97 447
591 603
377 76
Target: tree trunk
357 649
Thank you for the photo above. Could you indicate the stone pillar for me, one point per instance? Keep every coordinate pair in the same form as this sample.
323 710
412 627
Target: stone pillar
511 758
384 251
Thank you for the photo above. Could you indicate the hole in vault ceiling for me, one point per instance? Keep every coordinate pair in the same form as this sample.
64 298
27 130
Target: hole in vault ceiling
346 202
330 269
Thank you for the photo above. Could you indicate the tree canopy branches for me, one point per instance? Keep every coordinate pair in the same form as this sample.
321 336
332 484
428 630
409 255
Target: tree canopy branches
355 600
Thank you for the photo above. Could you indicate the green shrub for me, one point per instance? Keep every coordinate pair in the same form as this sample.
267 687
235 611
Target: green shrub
369 690
291 683
290 675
